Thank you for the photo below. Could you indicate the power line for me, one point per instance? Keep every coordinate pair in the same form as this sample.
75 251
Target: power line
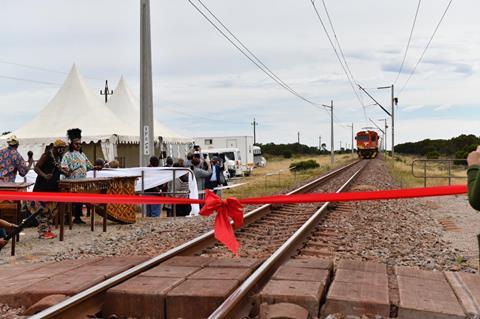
32 67
335 119
426 48
28 80
408 43
243 46
255 60
196 116
41 69
336 52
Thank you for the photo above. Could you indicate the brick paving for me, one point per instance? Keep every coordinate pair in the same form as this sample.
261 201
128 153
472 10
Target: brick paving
192 287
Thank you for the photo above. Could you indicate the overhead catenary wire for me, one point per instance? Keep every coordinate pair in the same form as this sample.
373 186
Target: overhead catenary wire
337 55
408 43
338 42
253 58
426 47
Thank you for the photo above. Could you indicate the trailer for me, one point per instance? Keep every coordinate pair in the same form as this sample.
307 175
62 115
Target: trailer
243 143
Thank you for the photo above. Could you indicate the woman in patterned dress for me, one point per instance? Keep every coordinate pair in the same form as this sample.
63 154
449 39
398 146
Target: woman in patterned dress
76 163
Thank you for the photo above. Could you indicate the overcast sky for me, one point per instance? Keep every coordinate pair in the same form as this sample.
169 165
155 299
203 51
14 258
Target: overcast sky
204 86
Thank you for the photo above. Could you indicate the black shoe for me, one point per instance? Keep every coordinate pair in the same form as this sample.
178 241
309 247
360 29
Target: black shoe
78 221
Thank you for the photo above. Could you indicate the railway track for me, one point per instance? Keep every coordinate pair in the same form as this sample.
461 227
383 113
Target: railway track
278 230
238 304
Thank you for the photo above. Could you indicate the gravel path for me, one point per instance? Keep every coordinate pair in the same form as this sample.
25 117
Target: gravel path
147 237
407 232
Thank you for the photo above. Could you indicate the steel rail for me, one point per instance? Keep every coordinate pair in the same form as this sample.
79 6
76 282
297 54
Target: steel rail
91 300
231 307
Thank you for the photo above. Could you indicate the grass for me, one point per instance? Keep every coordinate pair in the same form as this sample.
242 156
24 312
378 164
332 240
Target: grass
276 177
401 169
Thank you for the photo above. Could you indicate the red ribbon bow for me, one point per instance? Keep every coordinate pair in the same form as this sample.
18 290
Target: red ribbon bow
226 209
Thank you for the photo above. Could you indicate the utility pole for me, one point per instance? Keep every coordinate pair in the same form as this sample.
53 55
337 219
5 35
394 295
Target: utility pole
107 91
146 94
332 146
298 137
320 143
351 126
385 134
254 123
394 102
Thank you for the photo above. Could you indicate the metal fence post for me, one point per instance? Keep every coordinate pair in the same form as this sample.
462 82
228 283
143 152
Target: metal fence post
425 174
143 190
449 173
174 207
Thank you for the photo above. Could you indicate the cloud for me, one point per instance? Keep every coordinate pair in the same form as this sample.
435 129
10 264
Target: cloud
413 108
447 65
443 107
395 66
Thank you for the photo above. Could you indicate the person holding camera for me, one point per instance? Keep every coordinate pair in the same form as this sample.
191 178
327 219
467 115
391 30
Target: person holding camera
473 174
200 173
12 162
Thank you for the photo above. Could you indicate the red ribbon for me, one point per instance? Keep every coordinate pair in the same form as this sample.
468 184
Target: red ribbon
232 208
226 210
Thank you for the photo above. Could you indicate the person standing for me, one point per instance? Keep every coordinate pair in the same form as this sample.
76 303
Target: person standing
12 162
76 164
154 209
48 171
200 173
182 190
213 181
473 174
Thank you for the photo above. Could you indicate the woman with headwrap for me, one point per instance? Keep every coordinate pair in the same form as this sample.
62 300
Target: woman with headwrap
76 163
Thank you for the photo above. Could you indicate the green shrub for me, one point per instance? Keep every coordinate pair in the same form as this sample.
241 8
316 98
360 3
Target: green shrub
287 154
304 165
459 155
433 155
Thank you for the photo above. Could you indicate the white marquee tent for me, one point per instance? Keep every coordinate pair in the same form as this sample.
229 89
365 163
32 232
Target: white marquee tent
76 105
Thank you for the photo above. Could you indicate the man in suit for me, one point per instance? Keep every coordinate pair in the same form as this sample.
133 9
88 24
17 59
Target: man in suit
214 179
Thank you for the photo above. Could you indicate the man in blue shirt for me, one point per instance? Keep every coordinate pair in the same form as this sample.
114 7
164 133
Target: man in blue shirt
12 162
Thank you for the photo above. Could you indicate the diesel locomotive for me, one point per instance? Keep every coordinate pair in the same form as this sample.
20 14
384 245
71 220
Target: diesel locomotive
367 144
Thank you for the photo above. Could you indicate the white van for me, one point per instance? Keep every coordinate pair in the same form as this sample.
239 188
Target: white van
230 157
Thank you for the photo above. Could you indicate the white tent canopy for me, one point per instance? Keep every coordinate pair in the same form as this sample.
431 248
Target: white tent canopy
77 105
126 107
